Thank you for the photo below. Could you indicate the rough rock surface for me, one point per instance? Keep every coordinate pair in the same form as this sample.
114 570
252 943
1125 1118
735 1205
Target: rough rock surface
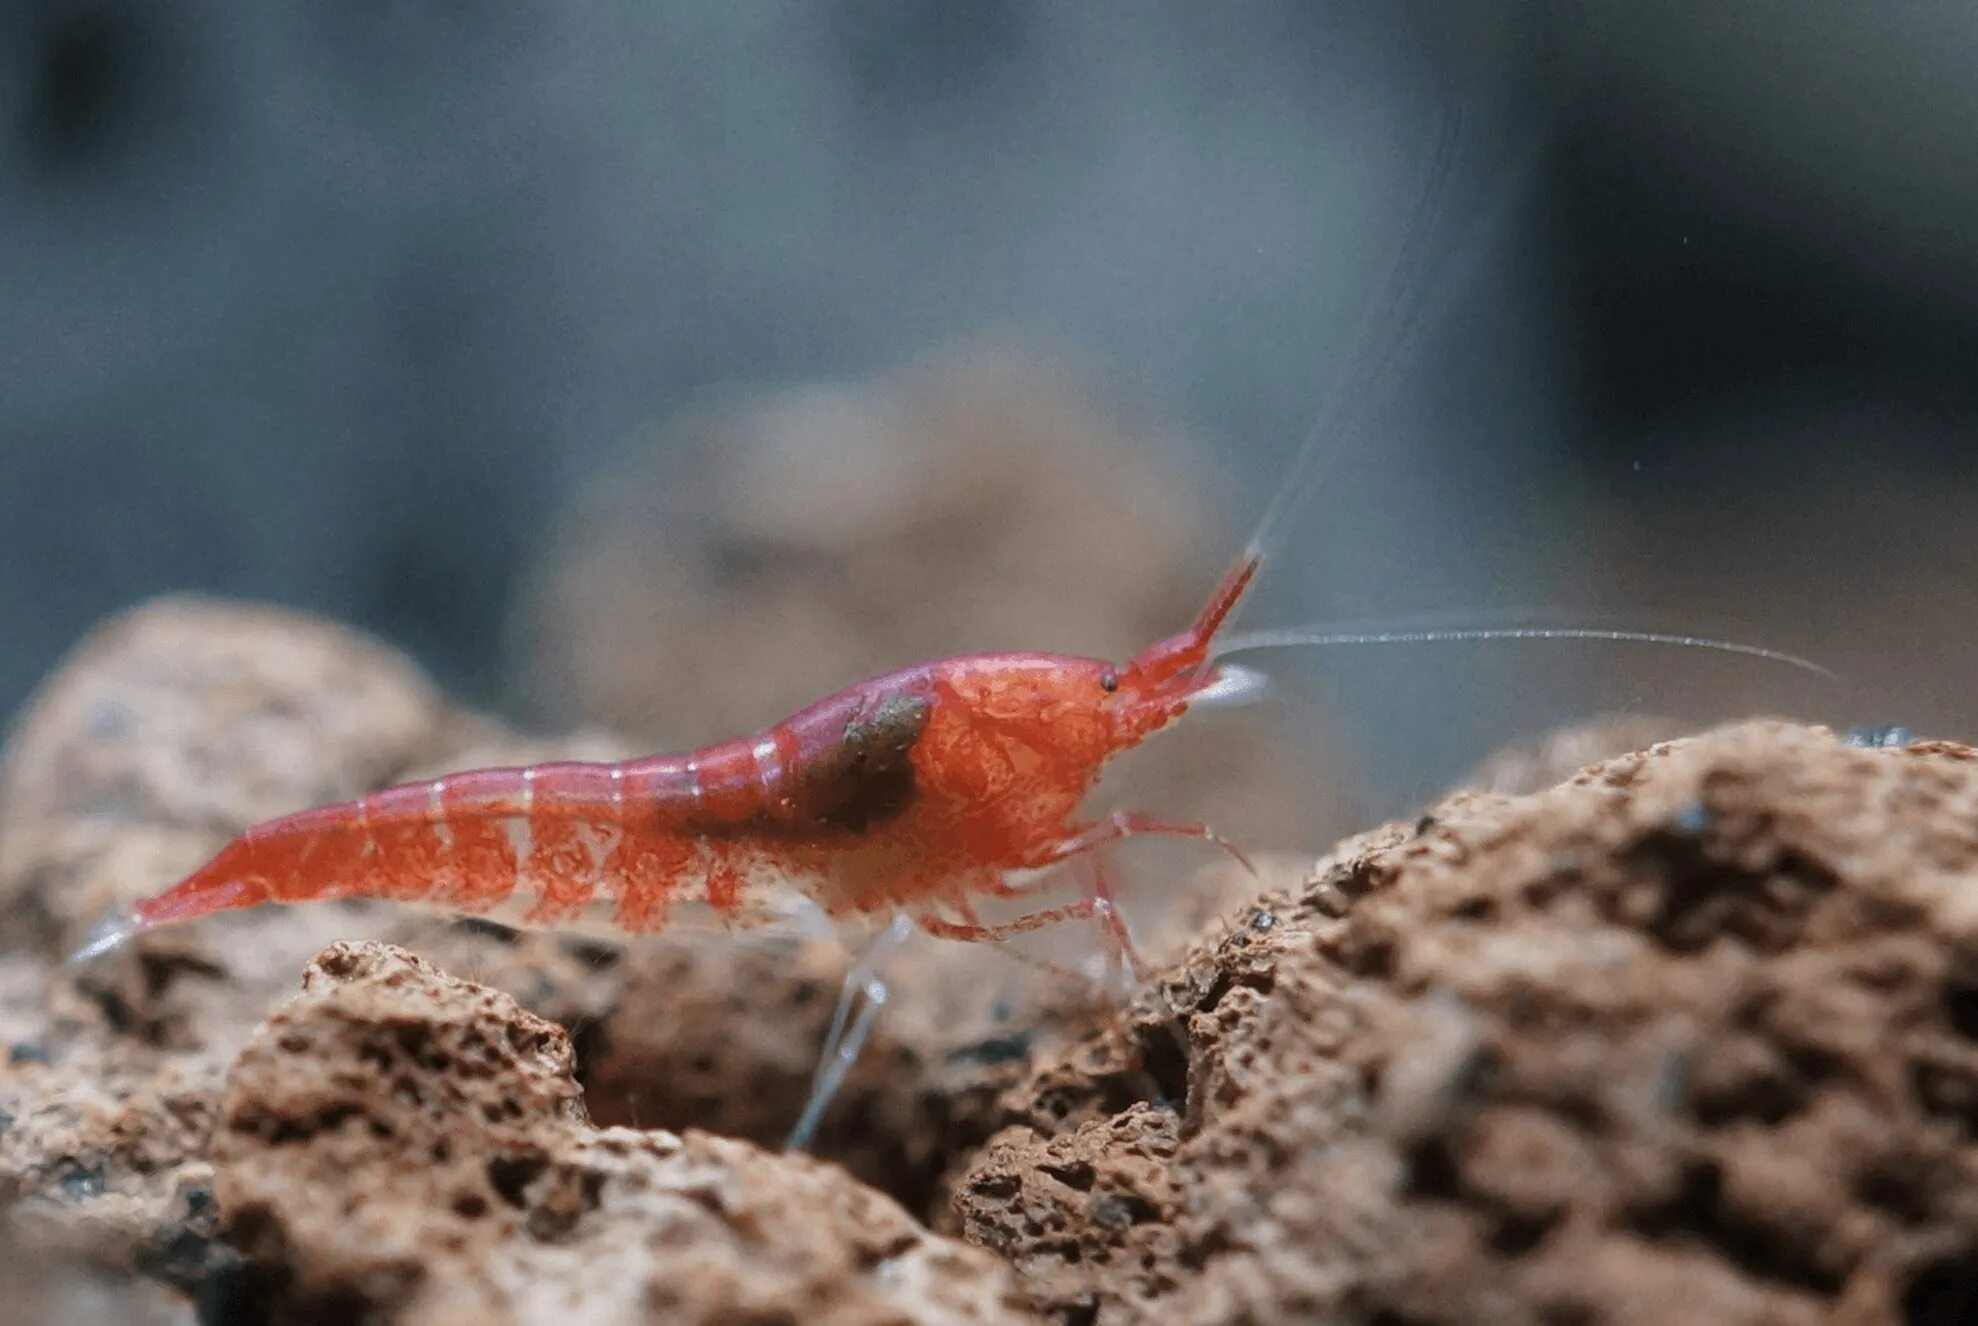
168 729
1690 1033
1688 1037
399 1145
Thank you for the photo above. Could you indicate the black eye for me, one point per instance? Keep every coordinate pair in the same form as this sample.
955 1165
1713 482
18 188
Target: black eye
1109 682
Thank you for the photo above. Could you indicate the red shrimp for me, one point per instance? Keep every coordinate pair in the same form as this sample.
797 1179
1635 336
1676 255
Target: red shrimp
910 793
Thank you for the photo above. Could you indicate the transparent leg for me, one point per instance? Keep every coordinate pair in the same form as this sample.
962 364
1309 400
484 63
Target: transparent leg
859 1001
1124 966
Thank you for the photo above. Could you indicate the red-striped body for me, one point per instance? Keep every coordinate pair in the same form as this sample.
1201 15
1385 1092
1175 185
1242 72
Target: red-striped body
910 791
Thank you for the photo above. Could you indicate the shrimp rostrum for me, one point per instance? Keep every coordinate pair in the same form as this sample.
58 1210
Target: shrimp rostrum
913 794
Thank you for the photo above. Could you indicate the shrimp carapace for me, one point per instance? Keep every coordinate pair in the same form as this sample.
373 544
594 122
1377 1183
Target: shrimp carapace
914 792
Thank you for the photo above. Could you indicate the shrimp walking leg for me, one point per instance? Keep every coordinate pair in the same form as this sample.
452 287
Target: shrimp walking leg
864 990
1095 905
966 910
1098 903
1085 909
1123 961
1124 824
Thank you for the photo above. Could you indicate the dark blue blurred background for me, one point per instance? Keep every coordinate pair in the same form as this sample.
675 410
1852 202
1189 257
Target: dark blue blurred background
336 303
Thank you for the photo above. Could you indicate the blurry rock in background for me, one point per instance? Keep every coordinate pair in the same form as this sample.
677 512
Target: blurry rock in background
762 552
759 555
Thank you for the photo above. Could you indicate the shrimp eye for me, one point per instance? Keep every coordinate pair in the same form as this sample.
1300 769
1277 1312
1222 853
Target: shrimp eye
1109 681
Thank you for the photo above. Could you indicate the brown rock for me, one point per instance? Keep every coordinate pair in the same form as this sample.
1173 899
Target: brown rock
170 728
401 1146
725 1036
1690 1033
1688 1037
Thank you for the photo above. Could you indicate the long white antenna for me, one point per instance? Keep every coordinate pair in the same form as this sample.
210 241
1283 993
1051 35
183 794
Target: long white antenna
1296 637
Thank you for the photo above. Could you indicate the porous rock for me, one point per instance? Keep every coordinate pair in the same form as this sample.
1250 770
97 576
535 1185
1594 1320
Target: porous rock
170 727
401 1146
1693 1028
1687 1037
